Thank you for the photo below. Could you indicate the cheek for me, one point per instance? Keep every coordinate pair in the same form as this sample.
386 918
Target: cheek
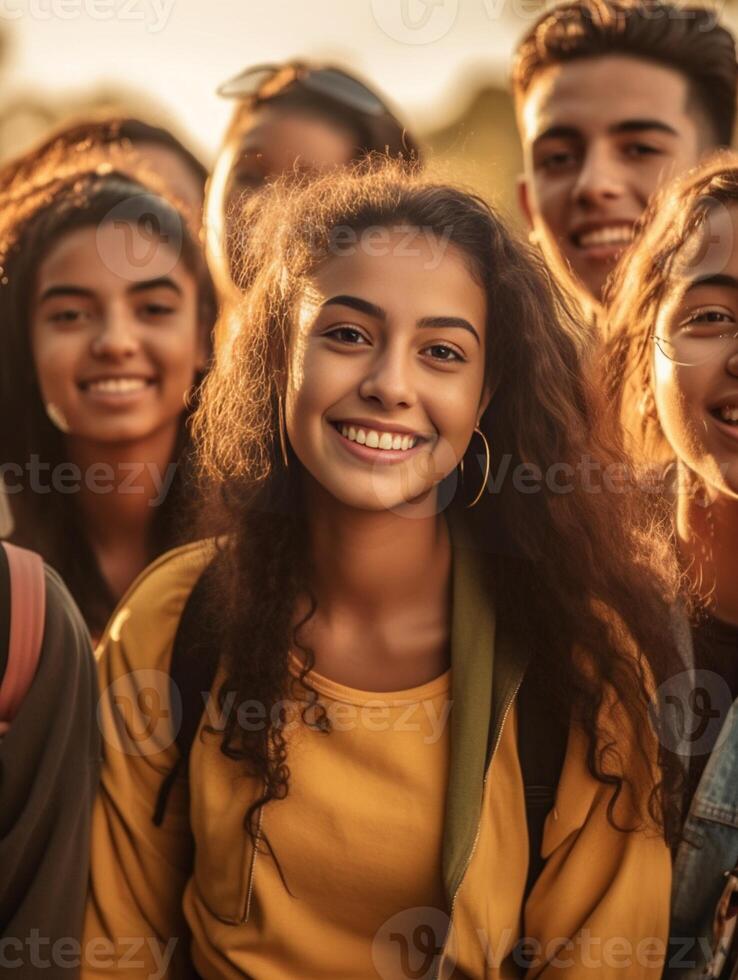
55 362
551 196
678 393
453 412
177 354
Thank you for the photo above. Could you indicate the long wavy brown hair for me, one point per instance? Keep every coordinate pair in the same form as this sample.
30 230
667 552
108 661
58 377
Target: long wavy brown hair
43 196
568 572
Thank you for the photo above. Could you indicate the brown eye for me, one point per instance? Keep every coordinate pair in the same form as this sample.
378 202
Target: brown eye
442 352
67 316
347 335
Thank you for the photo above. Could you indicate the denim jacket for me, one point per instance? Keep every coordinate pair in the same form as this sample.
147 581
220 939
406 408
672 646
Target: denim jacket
708 850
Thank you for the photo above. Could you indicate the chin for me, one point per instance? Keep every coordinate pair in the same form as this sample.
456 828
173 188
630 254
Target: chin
376 498
117 434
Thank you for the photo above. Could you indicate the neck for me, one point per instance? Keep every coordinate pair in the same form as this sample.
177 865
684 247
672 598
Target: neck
707 537
122 485
373 562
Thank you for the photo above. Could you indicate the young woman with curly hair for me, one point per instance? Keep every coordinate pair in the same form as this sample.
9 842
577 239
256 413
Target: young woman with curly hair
673 362
106 309
353 804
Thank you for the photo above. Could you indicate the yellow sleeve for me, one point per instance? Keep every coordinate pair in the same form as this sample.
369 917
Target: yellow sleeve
600 907
134 925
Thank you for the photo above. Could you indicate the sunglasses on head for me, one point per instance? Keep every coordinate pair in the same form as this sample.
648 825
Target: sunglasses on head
266 81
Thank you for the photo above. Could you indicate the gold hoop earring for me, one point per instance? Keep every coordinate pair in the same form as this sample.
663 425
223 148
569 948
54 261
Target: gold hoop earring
487 466
282 432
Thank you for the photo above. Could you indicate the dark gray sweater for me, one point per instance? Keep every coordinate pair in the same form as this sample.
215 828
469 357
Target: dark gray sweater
49 764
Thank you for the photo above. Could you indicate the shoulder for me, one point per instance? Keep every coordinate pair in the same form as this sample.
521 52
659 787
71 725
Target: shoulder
63 618
141 631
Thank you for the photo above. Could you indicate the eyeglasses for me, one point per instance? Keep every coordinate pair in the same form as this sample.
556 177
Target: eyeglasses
266 81
697 346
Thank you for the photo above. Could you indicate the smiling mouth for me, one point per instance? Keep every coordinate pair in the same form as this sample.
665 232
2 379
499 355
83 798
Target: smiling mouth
116 386
383 440
727 414
615 236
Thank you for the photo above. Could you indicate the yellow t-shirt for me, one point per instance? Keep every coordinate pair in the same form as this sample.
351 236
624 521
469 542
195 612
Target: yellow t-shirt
358 839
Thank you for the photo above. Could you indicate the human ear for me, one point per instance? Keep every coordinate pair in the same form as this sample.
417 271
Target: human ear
487 393
523 195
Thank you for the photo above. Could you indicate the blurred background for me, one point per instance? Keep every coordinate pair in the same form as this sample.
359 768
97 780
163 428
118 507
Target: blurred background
443 64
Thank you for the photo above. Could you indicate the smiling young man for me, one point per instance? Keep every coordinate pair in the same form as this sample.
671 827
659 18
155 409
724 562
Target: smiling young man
613 99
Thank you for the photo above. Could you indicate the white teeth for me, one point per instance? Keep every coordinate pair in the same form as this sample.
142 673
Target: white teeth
377 440
117 386
614 235
729 413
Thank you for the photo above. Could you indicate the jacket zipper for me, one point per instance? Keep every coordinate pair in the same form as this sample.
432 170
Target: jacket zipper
252 871
505 712
243 918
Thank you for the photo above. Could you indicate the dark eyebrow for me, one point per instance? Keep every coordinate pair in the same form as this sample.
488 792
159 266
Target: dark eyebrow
719 279
82 293
641 125
163 282
443 322
626 126
364 306
63 290
360 305
558 132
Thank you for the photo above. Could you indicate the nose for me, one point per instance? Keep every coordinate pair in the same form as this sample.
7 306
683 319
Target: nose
600 179
389 380
117 337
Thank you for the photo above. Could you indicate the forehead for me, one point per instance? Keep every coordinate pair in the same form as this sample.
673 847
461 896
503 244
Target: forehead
275 128
406 272
712 250
114 254
595 94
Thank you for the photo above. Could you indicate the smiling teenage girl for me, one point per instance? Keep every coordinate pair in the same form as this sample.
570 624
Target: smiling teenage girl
355 785
105 308
674 325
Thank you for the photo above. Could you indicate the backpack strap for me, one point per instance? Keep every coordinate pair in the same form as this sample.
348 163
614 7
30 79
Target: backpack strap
191 674
23 572
542 738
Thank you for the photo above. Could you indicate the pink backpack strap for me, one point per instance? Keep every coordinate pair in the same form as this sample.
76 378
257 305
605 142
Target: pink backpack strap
27 617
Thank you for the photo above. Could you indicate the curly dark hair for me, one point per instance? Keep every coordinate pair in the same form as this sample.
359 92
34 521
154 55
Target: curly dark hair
569 572
50 192
685 38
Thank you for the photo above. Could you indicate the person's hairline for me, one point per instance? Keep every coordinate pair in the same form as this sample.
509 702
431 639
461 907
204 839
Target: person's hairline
694 103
